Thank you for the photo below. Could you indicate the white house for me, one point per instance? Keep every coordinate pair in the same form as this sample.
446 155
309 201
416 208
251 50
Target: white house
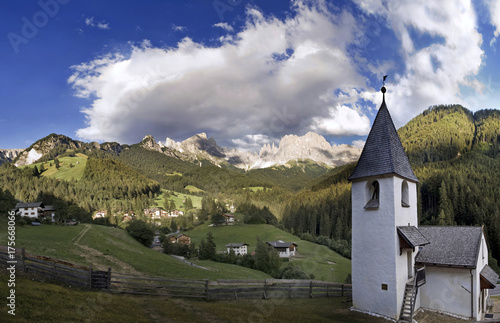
239 248
100 214
284 249
229 218
32 210
386 239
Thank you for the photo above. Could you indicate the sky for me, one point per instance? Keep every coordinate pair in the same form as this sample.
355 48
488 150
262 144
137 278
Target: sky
245 72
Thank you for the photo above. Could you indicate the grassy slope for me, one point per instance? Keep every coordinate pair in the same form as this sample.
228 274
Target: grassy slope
105 246
193 189
313 258
179 200
65 172
46 302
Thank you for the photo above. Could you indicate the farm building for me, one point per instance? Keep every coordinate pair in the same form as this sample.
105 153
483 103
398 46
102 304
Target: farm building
239 248
284 249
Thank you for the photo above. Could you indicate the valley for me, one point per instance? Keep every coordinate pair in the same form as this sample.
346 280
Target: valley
302 201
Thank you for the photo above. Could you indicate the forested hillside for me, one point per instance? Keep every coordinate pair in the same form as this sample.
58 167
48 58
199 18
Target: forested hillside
106 183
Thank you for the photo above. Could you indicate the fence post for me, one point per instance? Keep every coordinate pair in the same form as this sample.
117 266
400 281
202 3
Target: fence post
311 289
23 259
342 290
265 288
55 269
109 278
206 290
90 276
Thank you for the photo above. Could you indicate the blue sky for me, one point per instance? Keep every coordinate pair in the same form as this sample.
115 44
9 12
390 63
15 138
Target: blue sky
244 72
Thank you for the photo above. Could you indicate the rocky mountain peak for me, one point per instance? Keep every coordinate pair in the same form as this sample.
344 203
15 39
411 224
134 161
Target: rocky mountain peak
149 142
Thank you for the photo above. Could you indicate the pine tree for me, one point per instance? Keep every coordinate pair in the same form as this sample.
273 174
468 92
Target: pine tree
445 205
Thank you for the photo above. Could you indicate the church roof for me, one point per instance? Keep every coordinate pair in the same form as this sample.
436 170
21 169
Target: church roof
383 152
489 275
450 246
412 236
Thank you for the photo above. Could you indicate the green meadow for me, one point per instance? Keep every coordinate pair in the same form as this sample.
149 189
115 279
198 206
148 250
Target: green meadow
103 247
70 167
319 260
178 199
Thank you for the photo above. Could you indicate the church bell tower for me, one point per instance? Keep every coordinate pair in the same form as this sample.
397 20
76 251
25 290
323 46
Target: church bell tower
385 236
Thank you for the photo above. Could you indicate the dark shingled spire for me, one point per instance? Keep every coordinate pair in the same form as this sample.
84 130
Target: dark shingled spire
383 152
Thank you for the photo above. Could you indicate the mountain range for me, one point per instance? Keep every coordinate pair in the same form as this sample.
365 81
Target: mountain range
200 148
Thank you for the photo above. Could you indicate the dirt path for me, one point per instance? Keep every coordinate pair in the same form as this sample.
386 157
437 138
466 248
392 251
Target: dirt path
95 256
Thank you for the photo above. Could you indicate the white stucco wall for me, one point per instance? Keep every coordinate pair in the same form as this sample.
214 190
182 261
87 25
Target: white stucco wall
375 246
404 216
447 290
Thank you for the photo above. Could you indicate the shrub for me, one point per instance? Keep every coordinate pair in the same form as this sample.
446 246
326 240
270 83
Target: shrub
141 232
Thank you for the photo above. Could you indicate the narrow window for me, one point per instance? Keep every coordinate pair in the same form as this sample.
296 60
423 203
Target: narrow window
374 193
405 200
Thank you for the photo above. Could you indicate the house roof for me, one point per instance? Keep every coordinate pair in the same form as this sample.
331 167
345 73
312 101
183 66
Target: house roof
236 245
383 152
33 204
49 208
412 236
281 244
489 275
450 246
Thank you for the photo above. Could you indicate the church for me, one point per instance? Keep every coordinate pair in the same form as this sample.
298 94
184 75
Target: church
398 267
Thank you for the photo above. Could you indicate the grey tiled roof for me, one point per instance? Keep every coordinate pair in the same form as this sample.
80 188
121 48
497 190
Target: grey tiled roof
33 204
450 246
280 244
236 245
412 236
383 152
488 274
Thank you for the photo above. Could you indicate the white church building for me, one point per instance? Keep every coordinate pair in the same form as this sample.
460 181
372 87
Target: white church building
397 266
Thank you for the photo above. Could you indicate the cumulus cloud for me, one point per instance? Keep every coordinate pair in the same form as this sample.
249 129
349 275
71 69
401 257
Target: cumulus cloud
97 24
286 76
252 142
494 7
224 25
359 143
274 77
435 72
342 121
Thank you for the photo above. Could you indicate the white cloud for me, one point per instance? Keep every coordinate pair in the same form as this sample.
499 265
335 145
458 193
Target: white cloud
435 73
280 76
359 143
494 7
252 142
97 24
342 121
178 28
274 77
224 25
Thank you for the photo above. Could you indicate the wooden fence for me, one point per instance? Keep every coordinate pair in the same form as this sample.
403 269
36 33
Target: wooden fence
56 269
226 289
159 286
